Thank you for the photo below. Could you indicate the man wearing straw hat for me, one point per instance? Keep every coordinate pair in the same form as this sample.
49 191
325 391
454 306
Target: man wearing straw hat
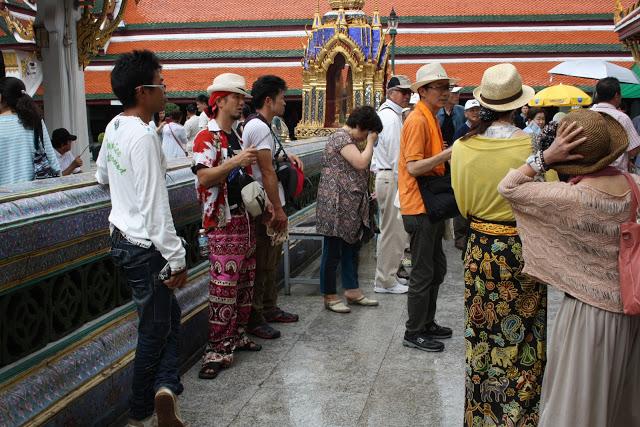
422 152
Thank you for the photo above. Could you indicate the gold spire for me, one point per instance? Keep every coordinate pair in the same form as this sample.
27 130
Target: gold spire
346 4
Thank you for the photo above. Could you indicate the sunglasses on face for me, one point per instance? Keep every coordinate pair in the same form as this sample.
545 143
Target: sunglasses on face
161 86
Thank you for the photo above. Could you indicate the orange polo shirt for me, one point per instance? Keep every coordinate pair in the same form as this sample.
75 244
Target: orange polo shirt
421 138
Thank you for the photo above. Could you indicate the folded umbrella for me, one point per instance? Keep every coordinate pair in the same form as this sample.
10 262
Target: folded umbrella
560 96
595 69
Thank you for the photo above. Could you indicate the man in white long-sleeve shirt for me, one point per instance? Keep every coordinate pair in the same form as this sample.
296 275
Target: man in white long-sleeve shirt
393 239
143 236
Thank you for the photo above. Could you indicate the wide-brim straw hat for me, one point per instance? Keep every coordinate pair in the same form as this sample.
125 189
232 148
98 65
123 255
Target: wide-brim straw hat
606 140
501 89
430 73
229 82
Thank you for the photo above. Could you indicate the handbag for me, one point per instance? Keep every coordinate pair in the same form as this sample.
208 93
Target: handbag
629 256
369 232
41 166
437 196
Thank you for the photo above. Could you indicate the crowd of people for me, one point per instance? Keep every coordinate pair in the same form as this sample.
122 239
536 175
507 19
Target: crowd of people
530 202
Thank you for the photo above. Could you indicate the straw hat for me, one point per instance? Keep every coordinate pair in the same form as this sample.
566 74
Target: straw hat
501 89
606 141
430 73
229 82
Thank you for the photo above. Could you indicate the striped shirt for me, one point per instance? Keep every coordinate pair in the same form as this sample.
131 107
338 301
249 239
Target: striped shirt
17 150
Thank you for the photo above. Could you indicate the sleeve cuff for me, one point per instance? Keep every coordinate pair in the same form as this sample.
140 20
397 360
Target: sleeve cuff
177 265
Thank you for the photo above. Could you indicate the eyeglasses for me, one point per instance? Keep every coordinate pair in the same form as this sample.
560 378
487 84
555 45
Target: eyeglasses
162 86
447 88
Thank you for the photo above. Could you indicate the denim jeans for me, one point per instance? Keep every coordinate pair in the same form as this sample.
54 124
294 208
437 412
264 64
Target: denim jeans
336 251
156 360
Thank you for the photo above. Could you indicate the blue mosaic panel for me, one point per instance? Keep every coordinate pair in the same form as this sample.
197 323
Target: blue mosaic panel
357 96
378 98
305 101
382 55
320 106
375 43
314 111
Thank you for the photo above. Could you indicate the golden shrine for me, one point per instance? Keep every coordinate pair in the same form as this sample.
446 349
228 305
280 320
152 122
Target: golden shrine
344 67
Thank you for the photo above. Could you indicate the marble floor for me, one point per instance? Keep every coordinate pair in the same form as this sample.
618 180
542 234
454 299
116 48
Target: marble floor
334 369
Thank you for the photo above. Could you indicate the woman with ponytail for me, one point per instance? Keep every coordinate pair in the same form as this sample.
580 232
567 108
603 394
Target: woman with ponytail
20 124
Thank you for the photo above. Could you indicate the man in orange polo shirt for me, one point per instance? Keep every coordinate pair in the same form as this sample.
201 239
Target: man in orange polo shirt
422 153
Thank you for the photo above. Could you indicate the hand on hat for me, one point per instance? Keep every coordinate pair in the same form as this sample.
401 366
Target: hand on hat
566 140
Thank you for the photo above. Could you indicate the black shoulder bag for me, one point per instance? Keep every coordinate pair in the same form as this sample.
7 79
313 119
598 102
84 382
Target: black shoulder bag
437 196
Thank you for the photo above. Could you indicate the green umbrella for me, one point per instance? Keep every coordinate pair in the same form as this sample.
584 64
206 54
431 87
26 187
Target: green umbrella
629 90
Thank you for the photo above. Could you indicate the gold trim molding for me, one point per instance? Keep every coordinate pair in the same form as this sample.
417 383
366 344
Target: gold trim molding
24 28
94 29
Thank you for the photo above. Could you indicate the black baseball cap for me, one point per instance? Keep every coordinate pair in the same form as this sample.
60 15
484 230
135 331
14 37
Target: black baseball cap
399 82
61 136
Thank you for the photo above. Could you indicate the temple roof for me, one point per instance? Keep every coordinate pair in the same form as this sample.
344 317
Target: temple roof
196 42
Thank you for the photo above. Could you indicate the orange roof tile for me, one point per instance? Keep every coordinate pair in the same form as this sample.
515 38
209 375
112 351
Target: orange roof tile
458 39
148 11
533 74
193 80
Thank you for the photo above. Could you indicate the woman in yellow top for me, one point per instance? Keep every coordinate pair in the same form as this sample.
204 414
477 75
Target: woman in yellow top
505 311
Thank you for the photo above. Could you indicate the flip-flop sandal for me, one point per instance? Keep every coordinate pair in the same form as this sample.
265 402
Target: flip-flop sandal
209 371
250 346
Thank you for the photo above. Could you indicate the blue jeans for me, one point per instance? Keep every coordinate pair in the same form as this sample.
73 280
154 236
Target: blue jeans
336 251
156 360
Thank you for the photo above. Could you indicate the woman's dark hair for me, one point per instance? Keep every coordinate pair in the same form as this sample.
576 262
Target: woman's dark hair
266 87
487 117
132 70
246 110
191 108
533 112
14 96
365 118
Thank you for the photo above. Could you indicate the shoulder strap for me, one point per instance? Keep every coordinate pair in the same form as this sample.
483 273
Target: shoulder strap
635 196
176 139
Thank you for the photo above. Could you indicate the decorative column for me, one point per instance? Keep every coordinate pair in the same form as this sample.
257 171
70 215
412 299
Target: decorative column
64 96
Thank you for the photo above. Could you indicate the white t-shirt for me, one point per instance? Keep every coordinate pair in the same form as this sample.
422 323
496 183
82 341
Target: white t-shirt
191 127
132 164
203 120
174 141
65 160
257 134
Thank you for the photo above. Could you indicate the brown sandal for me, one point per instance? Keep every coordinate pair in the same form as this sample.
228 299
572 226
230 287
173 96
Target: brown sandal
209 370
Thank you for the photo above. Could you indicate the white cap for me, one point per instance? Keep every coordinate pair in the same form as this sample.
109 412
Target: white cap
472 103
456 89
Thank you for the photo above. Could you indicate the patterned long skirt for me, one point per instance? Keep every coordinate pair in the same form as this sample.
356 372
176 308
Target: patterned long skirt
232 273
505 330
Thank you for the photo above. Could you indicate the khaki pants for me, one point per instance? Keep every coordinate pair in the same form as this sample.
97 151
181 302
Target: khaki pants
593 369
393 238
265 290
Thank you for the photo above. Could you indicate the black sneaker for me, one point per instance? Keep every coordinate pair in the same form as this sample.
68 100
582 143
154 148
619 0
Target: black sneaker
422 342
438 332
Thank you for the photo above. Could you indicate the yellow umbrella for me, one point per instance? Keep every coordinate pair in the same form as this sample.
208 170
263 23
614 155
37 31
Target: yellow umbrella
560 96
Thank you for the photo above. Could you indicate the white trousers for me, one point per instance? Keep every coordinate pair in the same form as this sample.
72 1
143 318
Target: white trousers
392 240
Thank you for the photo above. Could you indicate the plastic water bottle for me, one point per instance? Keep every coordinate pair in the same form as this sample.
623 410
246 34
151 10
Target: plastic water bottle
203 243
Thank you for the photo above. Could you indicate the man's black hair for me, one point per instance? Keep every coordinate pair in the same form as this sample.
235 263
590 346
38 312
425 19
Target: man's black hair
246 110
132 70
365 118
202 98
191 108
266 87
607 89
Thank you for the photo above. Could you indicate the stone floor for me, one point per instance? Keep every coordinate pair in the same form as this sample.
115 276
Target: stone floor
342 370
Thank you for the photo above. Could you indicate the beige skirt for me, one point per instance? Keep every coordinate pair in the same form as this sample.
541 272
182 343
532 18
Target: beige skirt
593 369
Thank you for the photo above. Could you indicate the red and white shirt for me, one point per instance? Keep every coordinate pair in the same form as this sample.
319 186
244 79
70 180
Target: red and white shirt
210 149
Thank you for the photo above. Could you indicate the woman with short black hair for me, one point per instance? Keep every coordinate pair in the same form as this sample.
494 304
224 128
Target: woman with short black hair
20 126
343 206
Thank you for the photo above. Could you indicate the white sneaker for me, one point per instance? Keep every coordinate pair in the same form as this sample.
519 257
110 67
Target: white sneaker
167 409
396 289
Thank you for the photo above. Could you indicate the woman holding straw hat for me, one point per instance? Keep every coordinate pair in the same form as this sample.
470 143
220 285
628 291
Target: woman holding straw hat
505 311
571 235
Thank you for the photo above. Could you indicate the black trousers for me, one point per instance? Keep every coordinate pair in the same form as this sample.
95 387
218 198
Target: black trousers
429 267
